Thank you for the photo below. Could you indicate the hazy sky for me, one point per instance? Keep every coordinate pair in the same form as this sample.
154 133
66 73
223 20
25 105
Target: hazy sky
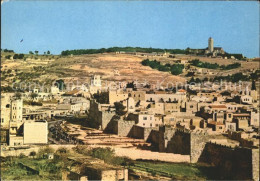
57 26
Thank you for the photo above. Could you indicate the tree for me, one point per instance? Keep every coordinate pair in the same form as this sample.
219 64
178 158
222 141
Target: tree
119 108
18 95
31 53
190 74
197 80
22 155
254 76
130 85
102 97
253 85
48 52
36 52
33 95
44 150
32 153
192 80
15 56
62 150
20 56
176 69
60 84
8 56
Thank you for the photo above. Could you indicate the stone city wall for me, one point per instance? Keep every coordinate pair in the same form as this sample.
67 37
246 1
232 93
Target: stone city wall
232 163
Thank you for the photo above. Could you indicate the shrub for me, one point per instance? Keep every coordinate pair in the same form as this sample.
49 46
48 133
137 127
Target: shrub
44 150
22 155
62 150
119 108
176 69
32 153
8 56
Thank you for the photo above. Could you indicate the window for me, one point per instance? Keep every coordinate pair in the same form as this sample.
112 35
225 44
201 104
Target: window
145 118
191 106
229 115
151 125
143 124
151 118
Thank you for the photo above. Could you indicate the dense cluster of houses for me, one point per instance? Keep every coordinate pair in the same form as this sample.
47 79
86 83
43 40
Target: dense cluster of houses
204 109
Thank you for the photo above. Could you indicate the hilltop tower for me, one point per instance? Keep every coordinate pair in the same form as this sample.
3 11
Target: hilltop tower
210 45
96 81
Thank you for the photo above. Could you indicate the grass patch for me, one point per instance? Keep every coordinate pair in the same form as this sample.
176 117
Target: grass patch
179 171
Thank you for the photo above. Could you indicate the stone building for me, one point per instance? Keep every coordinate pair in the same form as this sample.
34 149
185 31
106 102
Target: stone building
100 115
117 96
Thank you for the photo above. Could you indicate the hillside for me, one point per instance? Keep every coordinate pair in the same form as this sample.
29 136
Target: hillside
111 66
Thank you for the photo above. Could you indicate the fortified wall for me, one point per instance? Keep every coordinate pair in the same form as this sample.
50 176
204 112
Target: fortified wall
99 118
185 142
233 163
142 132
121 127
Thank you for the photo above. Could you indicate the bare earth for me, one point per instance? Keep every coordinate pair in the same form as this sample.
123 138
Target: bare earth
123 146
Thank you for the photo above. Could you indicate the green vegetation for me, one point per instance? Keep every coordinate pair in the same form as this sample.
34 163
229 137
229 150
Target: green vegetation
230 66
7 88
118 49
175 69
101 97
18 56
27 76
236 55
18 95
6 50
238 77
190 74
198 63
33 95
119 108
37 167
8 56
178 171
32 103
253 85
60 84
106 154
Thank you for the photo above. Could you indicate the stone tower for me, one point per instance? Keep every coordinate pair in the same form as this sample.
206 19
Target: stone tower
96 81
210 45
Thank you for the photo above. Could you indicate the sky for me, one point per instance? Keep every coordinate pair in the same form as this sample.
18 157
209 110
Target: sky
66 25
